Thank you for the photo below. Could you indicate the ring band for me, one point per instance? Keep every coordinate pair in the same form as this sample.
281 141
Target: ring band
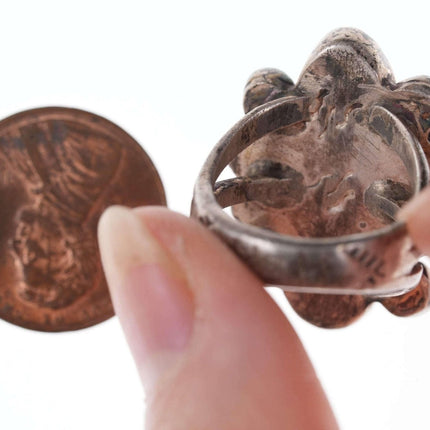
376 263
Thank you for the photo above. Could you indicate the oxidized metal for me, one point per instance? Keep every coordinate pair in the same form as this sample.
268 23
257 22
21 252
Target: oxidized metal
60 168
322 168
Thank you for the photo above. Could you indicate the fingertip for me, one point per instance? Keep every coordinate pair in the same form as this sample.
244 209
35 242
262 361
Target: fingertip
148 290
416 215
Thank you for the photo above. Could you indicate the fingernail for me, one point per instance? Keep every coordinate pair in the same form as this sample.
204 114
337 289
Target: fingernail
149 292
416 215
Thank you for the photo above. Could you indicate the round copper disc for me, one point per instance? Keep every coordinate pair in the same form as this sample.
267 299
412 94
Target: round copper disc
59 169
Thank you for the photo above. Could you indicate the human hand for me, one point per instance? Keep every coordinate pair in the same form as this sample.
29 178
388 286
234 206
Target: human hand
212 348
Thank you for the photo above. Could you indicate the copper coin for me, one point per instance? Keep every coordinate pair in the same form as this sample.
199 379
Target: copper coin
59 169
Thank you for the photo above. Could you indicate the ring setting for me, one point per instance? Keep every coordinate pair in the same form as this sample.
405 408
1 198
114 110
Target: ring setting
322 167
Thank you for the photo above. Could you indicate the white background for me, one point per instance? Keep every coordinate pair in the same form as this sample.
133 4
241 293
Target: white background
171 73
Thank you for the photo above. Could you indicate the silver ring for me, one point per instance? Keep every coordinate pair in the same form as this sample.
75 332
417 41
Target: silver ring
378 263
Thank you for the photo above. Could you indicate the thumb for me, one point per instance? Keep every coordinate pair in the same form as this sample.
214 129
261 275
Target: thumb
213 350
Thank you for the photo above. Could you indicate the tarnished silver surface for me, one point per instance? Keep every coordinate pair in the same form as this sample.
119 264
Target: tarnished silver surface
322 168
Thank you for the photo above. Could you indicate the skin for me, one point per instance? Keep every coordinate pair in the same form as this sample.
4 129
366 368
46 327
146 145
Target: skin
212 348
